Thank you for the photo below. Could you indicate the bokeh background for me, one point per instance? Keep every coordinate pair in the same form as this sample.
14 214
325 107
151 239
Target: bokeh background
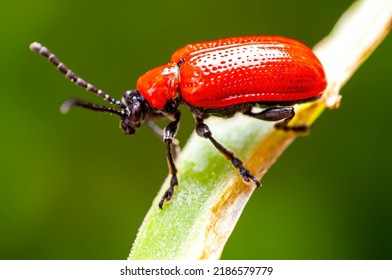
74 187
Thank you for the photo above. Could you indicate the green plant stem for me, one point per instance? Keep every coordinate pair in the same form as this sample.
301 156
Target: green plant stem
211 197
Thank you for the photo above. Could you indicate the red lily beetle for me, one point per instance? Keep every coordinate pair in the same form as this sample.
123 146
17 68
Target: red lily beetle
219 78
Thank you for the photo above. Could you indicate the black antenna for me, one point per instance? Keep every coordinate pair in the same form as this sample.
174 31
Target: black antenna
38 48
91 106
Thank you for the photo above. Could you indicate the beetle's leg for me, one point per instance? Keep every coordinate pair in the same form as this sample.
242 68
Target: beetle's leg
156 129
168 135
279 113
204 131
149 121
283 125
159 132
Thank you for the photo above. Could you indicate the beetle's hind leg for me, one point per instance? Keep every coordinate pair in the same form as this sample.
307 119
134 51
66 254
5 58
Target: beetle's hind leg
282 114
284 125
204 131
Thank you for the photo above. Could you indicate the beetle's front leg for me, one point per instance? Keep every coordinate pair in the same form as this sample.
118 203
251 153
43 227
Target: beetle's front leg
159 132
168 135
204 131
282 114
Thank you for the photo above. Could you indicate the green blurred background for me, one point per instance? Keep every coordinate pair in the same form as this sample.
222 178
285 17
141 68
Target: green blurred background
74 187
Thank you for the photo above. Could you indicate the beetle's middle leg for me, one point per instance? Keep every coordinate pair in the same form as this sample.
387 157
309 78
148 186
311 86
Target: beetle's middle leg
203 130
282 114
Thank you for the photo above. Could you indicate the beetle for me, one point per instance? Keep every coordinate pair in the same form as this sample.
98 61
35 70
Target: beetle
213 78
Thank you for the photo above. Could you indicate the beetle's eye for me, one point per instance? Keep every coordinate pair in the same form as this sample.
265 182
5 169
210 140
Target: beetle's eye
136 113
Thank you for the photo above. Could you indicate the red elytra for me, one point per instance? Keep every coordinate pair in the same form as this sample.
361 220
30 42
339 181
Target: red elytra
231 71
219 78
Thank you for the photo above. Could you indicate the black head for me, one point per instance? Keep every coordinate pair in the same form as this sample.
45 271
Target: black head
132 108
136 108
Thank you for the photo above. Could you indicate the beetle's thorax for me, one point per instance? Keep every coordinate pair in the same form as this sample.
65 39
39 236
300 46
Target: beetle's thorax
160 85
